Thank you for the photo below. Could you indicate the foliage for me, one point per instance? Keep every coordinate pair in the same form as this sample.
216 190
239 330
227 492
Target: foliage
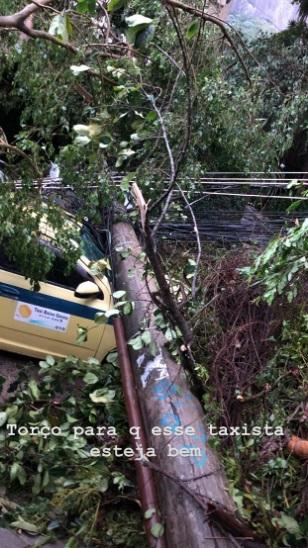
278 68
268 486
96 109
280 268
253 368
98 115
34 260
303 8
63 398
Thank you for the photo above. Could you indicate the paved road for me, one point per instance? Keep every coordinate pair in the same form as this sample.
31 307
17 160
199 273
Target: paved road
10 539
10 364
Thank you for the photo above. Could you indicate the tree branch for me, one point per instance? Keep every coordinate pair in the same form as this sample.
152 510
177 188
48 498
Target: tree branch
18 21
21 153
46 36
196 231
40 5
173 170
211 18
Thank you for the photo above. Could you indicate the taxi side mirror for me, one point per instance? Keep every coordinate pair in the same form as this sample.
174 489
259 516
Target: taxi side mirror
87 290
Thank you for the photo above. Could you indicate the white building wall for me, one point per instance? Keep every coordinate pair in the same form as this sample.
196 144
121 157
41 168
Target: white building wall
278 13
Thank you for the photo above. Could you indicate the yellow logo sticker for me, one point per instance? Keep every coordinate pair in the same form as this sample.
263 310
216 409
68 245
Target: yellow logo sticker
25 311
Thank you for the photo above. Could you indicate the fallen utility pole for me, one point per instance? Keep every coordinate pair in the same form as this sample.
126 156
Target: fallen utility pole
195 506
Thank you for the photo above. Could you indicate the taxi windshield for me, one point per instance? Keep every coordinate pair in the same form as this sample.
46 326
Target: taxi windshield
89 246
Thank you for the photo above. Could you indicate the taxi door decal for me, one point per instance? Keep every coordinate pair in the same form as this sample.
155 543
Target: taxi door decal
35 298
41 317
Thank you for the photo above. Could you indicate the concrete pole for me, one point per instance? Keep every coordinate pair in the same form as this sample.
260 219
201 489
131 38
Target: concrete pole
191 483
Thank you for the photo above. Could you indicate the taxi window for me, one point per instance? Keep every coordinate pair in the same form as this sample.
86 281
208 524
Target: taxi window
58 274
89 246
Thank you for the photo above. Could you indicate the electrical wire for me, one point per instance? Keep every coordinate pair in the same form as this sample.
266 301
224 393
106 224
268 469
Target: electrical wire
56 184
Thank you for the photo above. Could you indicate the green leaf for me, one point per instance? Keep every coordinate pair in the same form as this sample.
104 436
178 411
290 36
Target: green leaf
82 335
112 312
151 116
114 5
149 513
294 183
25 525
192 30
103 485
125 254
128 308
118 294
34 389
82 141
78 69
61 27
146 337
90 378
53 524
17 472
157 530
112 357
170 334
81 129
86 6
288 523
46 479
137 20
144 37
123 155
136 23
43 364
103 395
126 181
85 133
50 360
71 543
12 412
3 418
136 343
36 489
99 267
100 318
190 268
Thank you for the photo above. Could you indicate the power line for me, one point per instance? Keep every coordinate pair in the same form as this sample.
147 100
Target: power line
56 184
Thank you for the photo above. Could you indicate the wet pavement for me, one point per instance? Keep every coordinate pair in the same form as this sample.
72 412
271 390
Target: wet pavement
10 539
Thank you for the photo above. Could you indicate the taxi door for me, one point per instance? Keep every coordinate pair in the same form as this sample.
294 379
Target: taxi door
36 323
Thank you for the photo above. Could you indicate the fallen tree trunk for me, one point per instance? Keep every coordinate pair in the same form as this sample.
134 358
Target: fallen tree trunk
196 508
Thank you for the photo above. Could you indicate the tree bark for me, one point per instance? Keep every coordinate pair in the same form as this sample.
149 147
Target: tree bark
190 481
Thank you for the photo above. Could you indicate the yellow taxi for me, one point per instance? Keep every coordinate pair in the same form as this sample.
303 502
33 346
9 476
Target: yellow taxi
38 323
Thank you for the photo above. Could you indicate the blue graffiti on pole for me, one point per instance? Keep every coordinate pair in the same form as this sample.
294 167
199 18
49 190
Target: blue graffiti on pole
181 400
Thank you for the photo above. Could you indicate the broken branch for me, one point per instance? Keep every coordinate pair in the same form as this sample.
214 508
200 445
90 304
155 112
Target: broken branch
18 21
216 21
